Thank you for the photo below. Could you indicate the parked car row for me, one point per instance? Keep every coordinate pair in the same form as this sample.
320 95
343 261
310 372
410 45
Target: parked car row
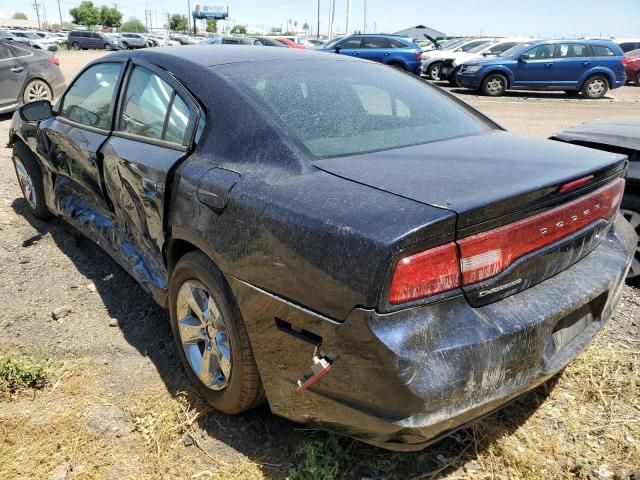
36 40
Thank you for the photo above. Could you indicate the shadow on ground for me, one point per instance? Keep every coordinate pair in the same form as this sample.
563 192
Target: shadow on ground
520 94
263 437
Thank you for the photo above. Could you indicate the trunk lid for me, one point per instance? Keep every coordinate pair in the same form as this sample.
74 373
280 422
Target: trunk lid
488 180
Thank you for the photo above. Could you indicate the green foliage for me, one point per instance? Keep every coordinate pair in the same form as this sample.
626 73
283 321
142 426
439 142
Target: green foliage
20 16
18 372
306 28
178 23
133 25
212 26
319 459
241 29
86 14
110 17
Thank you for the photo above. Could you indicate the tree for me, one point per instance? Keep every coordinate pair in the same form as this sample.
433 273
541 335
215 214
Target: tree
86 14
110 17
306 28
133 25
295 26
241 29
212 26
178 23
20 16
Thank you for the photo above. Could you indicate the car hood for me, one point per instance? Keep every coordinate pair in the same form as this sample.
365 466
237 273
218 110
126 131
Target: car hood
623 132
480 177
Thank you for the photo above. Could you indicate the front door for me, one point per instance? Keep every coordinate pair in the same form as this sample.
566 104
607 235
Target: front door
73 139
12 77
375 48
350 46
537 69
153 129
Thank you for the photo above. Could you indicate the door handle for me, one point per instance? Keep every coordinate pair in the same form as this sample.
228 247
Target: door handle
386 54
17 69
355 54
586 63
548 65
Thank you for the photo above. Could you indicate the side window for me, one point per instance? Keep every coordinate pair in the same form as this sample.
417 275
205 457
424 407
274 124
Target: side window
89 99
95 35
501 47
602 51
353 42
4 52
573 50
541 52
152 109
397 44
20 52
375 42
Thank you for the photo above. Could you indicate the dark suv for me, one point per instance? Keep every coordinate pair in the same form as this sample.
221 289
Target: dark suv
82 40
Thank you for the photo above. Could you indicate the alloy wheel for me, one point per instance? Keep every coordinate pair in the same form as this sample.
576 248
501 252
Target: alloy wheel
596 87
26 183
37 90
495 85
204 335
634 219
434 71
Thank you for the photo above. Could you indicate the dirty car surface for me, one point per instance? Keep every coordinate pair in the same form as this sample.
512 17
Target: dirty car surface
358 248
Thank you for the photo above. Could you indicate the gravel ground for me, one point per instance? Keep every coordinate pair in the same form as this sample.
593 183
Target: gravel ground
110 324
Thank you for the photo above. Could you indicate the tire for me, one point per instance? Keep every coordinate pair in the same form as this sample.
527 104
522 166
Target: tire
30 180
398 66
37 90
75 46
238 390
630 210
125 45
453 80
637 80
494 85
434 71
107 46
595 87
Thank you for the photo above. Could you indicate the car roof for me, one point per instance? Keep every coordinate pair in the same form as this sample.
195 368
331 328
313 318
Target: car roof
205 56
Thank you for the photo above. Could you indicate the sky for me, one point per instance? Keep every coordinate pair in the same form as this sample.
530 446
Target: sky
543 18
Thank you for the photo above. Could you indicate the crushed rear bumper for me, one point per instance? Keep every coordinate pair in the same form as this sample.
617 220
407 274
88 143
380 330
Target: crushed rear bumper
402 380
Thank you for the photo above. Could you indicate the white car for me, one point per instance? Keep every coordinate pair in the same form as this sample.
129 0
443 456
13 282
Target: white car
34 40
432 59
164 41
451 64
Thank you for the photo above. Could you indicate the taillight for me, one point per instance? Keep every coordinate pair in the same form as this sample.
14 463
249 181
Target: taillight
488 253
425 273
54 60
625 62
419 56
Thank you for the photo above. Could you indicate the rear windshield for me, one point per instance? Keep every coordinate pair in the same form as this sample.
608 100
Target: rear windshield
335 108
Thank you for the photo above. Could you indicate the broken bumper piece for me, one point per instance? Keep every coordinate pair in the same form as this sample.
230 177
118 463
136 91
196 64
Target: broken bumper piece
403 380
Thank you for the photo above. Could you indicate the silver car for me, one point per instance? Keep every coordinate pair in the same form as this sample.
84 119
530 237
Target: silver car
34 40
27 74
133 40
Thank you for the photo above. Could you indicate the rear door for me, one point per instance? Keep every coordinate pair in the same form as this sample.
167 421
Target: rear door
572 61
12 77
153 130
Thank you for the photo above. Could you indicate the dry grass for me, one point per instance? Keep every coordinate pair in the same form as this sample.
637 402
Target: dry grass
585 424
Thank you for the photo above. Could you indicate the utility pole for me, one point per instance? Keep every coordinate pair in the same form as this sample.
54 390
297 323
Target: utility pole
189 16
44 16
60 13
36 5
365 26
332 15
317 31
348 32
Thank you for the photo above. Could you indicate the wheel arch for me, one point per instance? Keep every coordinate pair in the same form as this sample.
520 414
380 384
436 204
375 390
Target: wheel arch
505 72
605 72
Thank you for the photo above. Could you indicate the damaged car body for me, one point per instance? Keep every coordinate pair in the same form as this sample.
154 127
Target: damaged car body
356 247
616 135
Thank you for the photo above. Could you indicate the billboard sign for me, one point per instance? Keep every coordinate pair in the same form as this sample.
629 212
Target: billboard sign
208 11
276 30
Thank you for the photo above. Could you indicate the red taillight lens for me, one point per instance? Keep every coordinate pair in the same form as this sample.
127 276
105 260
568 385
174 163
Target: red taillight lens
425 273
488 253
419 56
54 60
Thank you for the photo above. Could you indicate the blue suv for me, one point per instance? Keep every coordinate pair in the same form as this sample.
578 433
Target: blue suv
393 50
588 66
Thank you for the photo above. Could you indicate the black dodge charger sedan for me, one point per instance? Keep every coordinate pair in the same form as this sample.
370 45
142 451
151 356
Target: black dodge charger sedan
338 238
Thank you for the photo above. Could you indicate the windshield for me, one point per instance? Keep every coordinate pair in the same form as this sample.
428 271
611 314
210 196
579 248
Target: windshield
516 49
335 108
480 47
451 44
35 36
332 43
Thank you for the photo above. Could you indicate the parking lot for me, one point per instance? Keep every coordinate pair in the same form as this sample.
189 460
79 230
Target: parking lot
121 406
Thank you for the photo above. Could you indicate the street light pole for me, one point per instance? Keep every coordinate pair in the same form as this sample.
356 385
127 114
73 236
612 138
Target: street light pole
189 16
365 26
348 32
317 31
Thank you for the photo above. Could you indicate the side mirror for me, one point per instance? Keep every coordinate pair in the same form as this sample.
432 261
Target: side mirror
36 111
338 48
524 57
